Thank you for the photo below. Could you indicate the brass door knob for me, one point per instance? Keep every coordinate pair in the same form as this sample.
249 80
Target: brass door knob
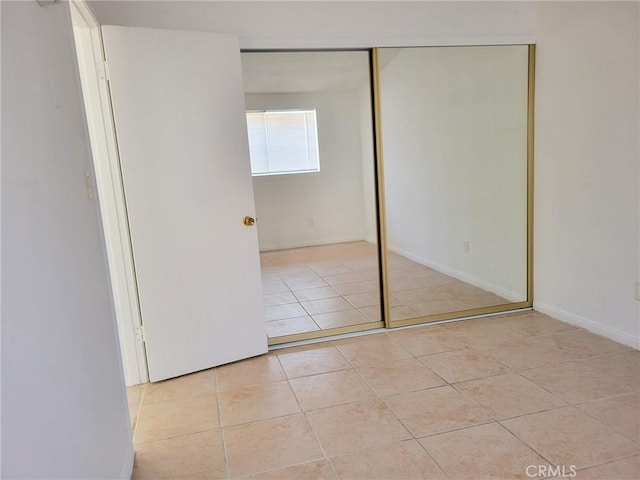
249 221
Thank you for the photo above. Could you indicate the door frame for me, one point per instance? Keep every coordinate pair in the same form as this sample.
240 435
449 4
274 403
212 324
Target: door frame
111 200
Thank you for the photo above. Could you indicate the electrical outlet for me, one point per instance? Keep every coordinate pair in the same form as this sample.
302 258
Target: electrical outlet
465 246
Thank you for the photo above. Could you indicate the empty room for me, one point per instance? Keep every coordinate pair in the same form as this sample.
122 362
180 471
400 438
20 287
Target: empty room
320 240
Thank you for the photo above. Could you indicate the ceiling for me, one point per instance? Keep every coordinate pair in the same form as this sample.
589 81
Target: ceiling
265 72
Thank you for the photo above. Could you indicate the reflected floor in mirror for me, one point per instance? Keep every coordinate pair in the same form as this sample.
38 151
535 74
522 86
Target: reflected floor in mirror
321 287
328 286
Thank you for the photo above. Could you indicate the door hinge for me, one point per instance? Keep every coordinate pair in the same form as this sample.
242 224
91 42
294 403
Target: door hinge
140 337
103 70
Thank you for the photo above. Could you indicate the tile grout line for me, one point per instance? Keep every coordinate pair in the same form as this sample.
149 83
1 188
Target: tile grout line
225 454
324 453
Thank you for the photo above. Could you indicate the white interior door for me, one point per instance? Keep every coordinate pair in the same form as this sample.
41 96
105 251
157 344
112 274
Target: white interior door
178 105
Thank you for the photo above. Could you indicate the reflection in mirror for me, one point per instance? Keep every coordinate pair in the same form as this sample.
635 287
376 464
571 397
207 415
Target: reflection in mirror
454 135
312 159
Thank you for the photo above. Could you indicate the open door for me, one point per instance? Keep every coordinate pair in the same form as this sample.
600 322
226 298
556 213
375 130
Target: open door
180 121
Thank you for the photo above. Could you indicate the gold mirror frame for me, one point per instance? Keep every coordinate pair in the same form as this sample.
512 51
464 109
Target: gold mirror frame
387 323
384 278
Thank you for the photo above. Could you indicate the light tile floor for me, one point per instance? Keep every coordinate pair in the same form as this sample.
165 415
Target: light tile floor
510 396
329 286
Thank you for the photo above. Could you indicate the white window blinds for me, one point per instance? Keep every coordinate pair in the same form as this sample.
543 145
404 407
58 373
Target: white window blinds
283 141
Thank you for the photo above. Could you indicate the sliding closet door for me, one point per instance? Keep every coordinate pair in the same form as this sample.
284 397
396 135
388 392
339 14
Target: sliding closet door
455 125
179 112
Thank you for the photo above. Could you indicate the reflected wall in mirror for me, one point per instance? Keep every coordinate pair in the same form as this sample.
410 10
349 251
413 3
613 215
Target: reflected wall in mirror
317 227
454 135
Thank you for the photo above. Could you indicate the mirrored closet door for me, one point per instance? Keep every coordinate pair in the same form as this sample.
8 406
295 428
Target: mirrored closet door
310 125
454 128
429 219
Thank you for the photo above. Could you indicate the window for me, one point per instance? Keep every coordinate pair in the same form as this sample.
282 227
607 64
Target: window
283 141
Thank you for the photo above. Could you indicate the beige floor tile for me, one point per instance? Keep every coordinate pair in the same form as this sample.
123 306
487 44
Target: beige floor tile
485 451
397 461
373 313
461 289
576 382
402 312
332 269
258 402
436 410
304 283
422 294
428 339
433 307
627 469
312 361
326 305
315 293
583 344
340 319
355 287
571 344
270 444
162 420
298 273
510 395
342 278
531 323
291 326
252 371
399 376
281 298
318 470
373 350
347 428
622 413
401 283
567 436
367 299
485 299
181 388
274 287
624 367
485 333
366 336
330 389
196 456
280 312
463 365
531 352
367 270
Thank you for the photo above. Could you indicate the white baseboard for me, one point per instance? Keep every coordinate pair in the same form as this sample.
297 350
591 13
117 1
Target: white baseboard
591 325
465 277
286 246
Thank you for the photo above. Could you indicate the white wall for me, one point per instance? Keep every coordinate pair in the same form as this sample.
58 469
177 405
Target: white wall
587 231
64 411
454 132
314 208
583 271
287 24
